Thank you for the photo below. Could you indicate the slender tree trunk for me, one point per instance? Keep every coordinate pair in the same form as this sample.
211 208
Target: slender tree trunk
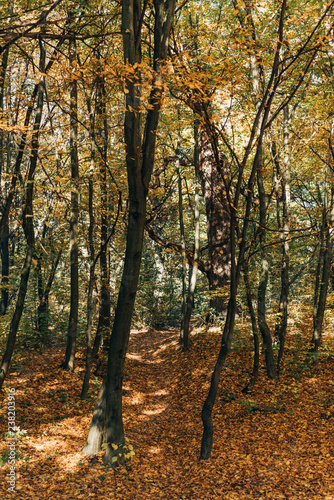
183 255
4 270
322 249
103 328
282 323
320 295
43 306
319 310
194 268
193 278
28 228
5 236
21 148
90 296
68 363
249 387
207 437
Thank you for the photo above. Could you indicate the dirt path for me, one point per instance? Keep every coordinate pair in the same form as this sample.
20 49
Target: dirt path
277 443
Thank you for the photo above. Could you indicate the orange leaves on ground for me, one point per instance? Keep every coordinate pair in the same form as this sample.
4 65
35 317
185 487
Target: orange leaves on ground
275 443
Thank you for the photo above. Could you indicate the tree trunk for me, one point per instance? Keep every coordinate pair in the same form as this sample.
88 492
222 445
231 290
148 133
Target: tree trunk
194 268
4 270
5 235
90 296
249 387
68 363
28 227
107 422
192 284
282 323
103 328
43 306
218 222
327 259
183 255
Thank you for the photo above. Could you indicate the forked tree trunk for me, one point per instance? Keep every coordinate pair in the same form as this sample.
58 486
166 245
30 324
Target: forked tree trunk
207 437
107 421
320 301
43 306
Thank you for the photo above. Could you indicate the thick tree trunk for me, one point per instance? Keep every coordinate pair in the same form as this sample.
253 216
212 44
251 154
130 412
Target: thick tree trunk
107 422
68 363
218 222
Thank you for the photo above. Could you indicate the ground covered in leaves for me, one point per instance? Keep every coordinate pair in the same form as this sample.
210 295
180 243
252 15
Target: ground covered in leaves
276 443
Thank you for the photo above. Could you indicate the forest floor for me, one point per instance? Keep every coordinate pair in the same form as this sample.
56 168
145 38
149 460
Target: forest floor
276 443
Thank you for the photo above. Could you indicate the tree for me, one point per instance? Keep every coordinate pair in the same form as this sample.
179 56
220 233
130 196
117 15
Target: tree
107 423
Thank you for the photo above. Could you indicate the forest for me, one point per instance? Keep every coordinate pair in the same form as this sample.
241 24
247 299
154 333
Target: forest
166 247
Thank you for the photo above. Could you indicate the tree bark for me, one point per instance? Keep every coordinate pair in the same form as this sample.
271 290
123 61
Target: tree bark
183 255
218 222
262 115
90 296
107 422
4 270
193 277
68 363
28 227
249 387
103 328
320 301
282 322
43 306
